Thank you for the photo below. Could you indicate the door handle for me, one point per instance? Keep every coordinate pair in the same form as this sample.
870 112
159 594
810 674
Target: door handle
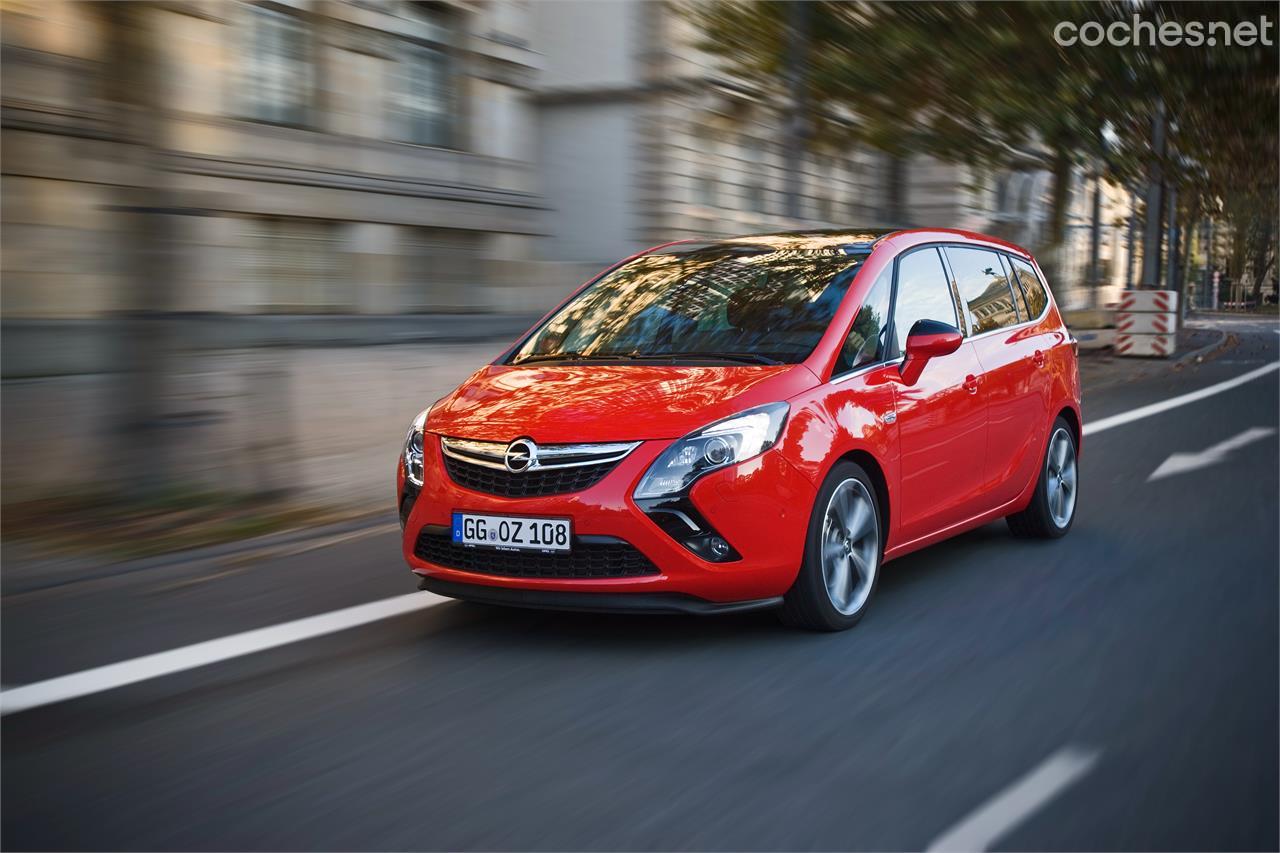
1038 358
971 384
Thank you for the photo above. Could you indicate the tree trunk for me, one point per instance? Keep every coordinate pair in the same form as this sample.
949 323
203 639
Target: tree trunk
1059 198
1151 234
1261 263
132 86
895 190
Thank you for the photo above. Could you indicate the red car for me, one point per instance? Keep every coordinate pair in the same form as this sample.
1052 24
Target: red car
754 422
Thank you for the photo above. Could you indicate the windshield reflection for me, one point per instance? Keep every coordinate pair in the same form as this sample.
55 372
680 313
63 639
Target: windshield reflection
737 304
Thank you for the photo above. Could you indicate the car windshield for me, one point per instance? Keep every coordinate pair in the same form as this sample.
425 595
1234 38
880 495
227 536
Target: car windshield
707 304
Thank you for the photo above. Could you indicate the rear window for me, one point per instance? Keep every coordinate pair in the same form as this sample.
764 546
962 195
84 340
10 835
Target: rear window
702 304
984 289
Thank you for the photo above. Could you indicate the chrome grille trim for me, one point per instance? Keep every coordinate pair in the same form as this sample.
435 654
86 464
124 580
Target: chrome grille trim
490 454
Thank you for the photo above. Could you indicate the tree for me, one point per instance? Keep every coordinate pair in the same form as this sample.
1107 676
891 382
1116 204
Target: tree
987 84
978 83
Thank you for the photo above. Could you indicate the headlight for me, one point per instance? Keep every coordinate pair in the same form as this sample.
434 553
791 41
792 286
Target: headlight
413 449
728 442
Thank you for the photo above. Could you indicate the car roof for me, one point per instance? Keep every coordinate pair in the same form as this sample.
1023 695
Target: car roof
847 240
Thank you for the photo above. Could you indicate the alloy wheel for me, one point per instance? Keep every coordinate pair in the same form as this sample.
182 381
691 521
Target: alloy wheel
1060 478
850 546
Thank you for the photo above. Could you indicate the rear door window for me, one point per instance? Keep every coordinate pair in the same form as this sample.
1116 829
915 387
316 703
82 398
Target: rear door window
984 289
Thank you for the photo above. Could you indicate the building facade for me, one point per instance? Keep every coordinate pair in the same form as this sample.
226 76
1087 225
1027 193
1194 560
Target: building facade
333 157
642 139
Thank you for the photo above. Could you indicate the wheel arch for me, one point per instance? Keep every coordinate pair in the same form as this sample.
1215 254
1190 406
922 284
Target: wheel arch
1072 417
875 471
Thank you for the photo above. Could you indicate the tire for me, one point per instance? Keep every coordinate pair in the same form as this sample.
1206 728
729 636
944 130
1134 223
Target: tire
812 602
1052 510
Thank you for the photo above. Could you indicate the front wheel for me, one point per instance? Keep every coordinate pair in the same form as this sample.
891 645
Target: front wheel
841 557
1053 507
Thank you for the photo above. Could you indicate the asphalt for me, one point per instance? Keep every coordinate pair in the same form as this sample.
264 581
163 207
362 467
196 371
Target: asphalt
1147 637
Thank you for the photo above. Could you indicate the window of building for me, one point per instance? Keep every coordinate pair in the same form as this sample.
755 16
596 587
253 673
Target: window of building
984 289
1032 287
868 342
294 266
424 99
443 266
704 191
424 105
277 68
923 294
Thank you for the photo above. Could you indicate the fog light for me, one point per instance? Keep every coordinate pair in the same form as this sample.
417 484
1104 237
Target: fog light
719 548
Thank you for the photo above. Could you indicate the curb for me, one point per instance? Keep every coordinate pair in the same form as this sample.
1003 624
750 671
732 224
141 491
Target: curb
58 577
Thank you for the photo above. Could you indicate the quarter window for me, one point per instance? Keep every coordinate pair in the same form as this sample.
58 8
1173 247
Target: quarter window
923 294
1037 297
984 289
868 340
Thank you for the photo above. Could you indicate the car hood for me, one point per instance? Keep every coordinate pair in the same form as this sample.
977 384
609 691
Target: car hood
555 404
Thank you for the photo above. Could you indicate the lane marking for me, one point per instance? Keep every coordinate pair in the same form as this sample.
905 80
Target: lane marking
1019 801
1174 402
115 675
1181 463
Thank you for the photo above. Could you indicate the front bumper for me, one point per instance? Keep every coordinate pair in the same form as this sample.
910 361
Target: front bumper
760 506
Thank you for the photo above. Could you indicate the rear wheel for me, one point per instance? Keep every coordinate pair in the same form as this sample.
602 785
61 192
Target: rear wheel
841 557
1053 507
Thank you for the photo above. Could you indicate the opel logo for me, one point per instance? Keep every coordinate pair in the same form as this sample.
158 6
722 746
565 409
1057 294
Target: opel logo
521 455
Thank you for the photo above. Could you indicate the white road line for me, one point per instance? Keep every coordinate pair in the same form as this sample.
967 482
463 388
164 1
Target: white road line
115 675
1016 803
1174 402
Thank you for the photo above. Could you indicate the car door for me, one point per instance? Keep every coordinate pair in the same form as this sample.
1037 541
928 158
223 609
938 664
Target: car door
1004 341
942 417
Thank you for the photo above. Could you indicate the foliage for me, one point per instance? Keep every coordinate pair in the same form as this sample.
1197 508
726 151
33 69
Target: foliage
987 84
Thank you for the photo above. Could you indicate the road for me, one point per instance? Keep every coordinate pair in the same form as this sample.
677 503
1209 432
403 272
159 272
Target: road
1116 689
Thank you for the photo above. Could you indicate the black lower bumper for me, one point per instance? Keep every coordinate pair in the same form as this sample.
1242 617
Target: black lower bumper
591 602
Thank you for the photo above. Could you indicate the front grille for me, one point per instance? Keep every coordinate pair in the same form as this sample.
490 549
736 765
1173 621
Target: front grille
591 557
559 468
531 484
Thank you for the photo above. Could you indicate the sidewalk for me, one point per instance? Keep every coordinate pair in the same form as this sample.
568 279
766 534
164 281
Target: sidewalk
1103 368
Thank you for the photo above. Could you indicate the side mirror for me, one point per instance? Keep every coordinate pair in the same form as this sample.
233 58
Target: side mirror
927 339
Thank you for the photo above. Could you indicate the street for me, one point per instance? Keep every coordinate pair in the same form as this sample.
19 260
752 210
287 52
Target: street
1126 676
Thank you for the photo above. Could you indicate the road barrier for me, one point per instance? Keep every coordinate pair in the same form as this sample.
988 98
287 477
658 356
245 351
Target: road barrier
1147 323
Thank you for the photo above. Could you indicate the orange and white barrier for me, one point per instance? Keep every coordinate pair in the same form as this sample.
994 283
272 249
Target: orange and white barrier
1128 323
1147 323
1158 346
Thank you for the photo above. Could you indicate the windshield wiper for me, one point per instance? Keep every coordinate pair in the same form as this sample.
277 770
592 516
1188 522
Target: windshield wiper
745 357
570 356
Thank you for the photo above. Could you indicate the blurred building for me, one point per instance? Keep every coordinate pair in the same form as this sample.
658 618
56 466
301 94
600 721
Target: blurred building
347 157
642 139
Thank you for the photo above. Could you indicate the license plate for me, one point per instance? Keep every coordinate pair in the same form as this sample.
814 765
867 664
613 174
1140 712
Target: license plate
512 533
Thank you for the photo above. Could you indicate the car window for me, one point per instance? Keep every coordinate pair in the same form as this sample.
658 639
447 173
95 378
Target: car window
701 303
1019 298
923 294
1037 297
867 342
984 289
